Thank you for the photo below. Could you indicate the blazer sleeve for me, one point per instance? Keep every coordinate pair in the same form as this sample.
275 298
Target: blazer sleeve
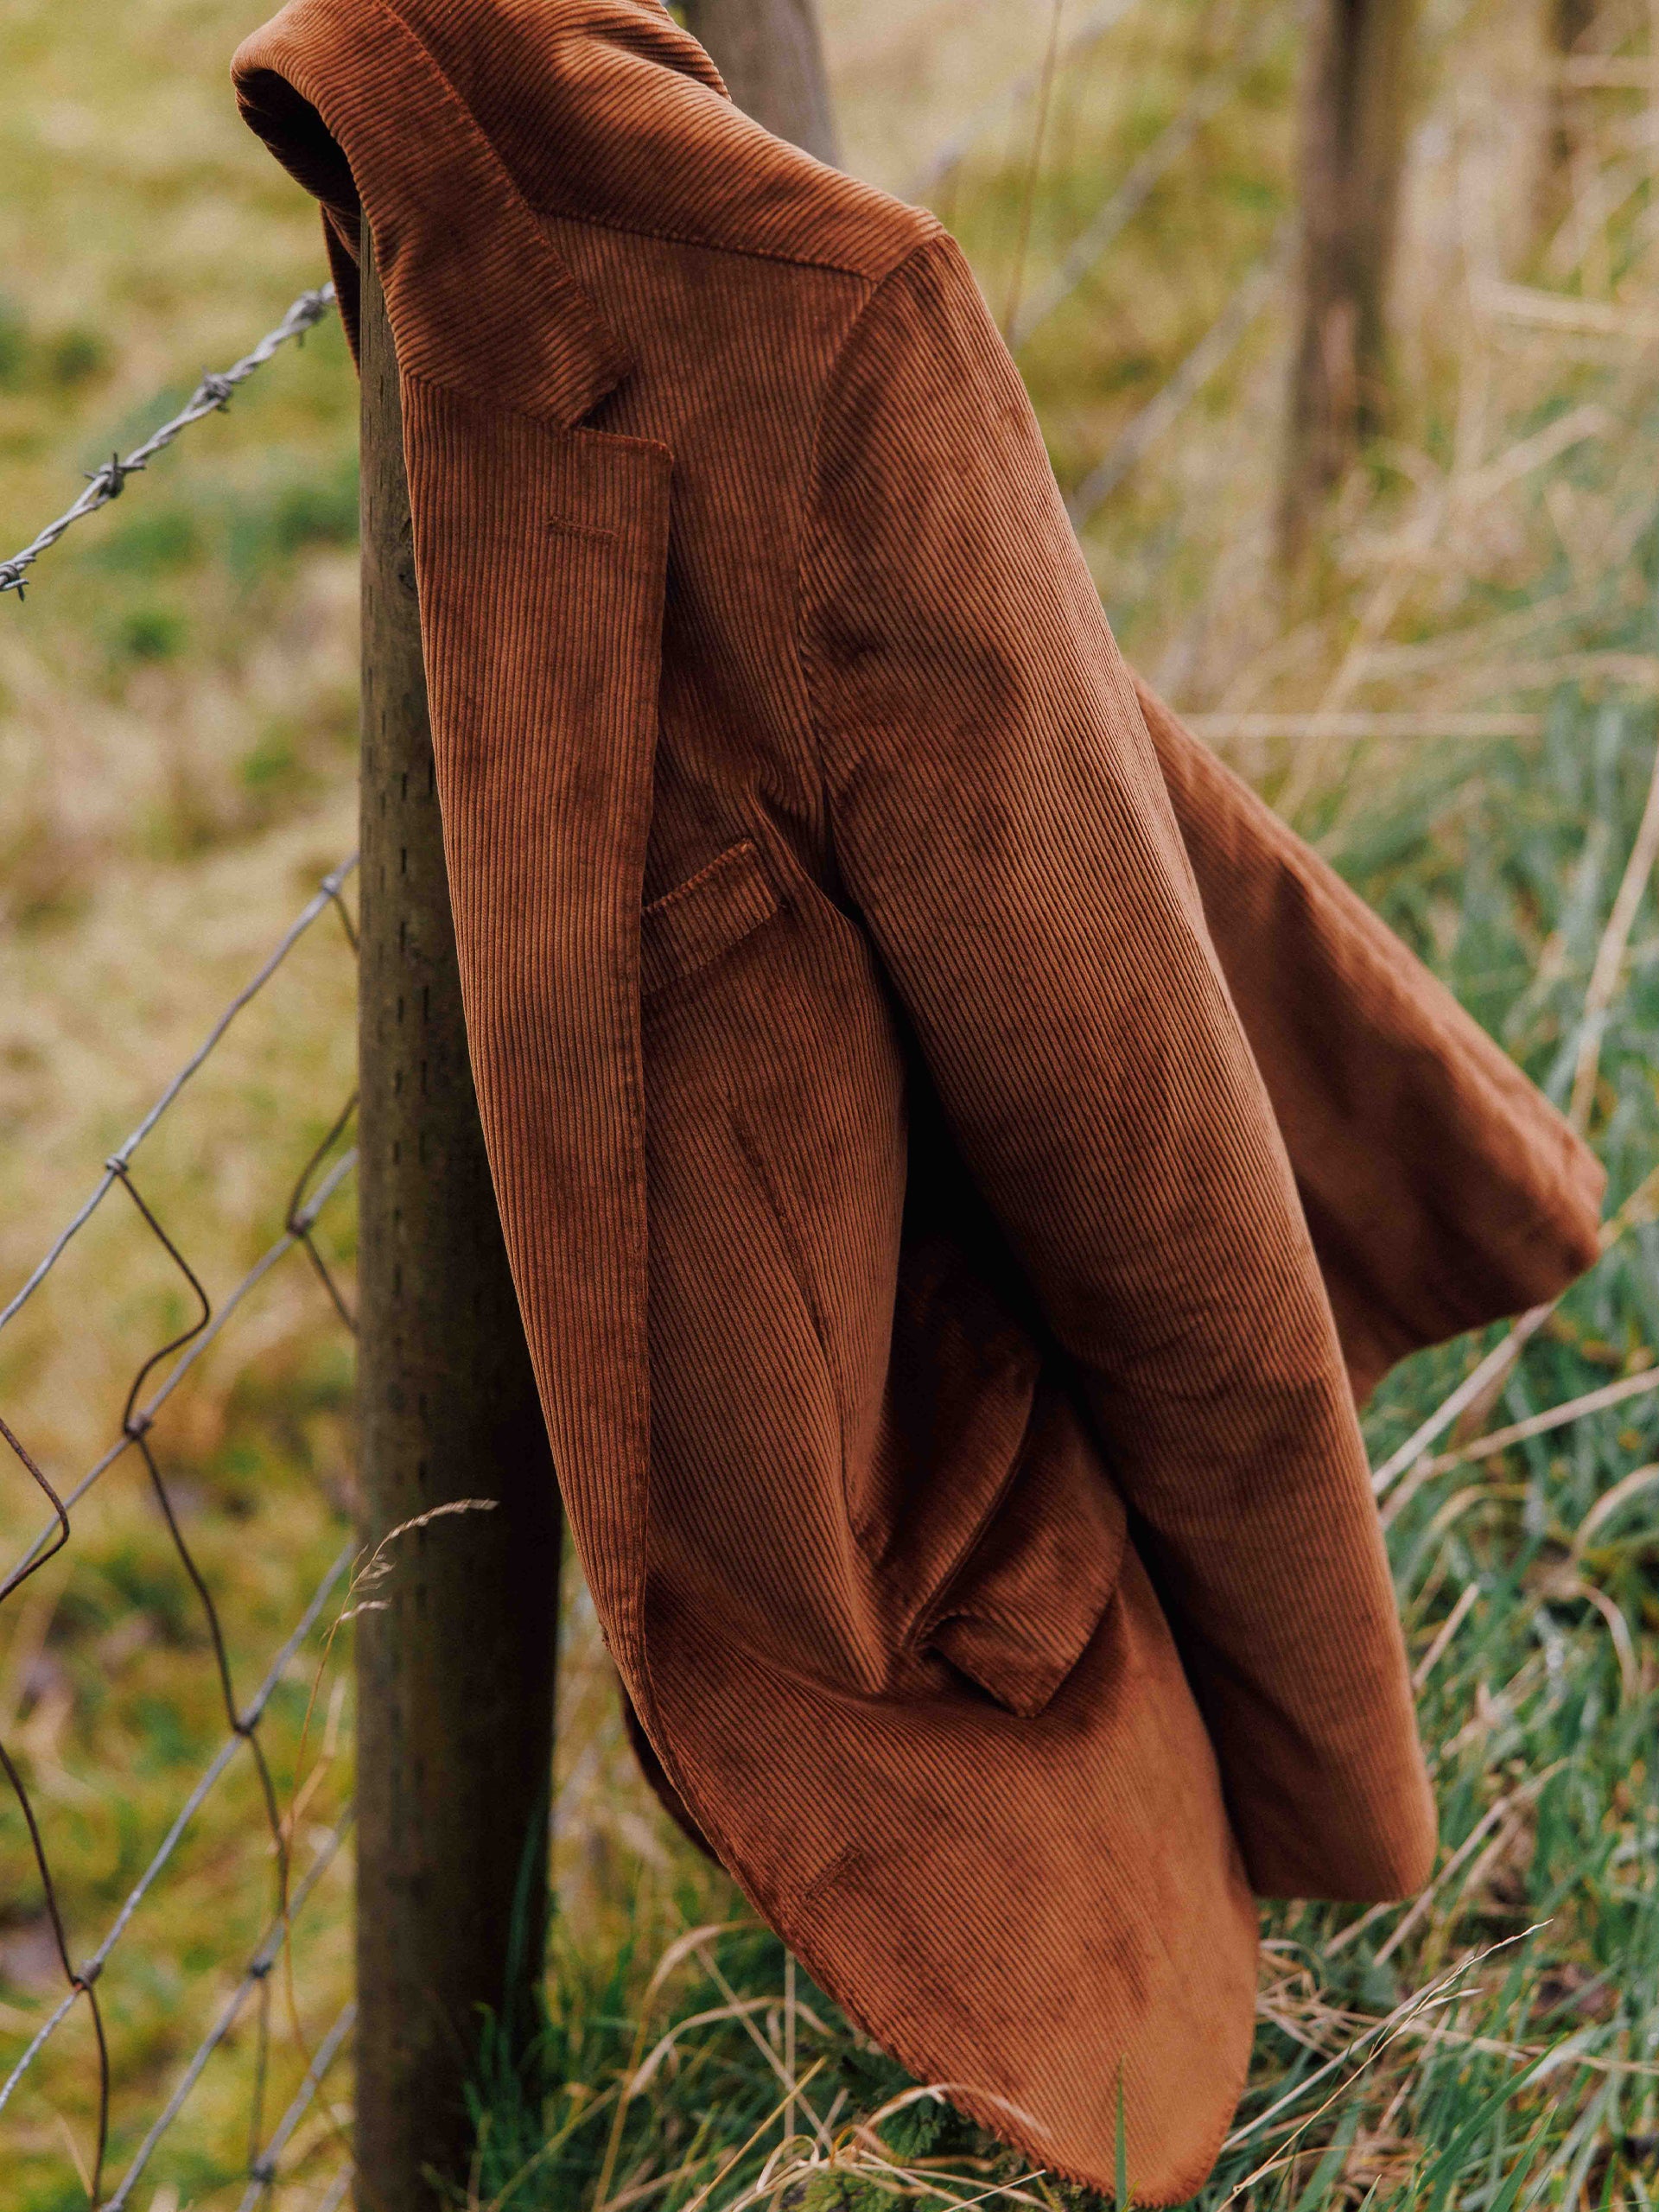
999 818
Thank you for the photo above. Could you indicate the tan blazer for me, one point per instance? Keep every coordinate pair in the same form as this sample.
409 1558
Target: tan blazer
933 1118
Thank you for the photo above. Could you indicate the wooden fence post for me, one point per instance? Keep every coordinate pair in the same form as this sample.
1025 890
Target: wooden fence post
455 1676
771 54
1355 105
1567 26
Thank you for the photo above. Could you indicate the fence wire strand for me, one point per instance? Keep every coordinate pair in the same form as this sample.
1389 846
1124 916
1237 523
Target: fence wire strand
1087 251
82 1980
956 147
123 1443
263 2166
255 1977
327 898
211 396
1247 301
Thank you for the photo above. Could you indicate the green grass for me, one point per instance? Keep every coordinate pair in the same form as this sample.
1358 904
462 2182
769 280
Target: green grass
1499 2045
1532 2076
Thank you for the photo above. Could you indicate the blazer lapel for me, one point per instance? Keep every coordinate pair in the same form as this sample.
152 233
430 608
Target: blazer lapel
540 552
541 557
355 107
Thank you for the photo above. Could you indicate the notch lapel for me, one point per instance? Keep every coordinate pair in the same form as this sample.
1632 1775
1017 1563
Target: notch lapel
541 557
540 554
355 107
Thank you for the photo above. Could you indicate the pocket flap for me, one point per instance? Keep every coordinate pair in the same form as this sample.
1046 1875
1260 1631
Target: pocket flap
705 917
1019 1611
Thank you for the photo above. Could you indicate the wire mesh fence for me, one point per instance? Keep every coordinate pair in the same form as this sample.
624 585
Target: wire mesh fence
313 1185
321 1178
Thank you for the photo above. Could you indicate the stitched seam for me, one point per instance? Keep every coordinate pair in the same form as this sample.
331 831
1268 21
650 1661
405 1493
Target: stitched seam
845 1857
568 526
744 850
933 228
675 237
796 1257
795 1253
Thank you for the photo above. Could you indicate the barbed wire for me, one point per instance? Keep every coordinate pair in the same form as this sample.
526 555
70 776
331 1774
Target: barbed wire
211 396
157 1375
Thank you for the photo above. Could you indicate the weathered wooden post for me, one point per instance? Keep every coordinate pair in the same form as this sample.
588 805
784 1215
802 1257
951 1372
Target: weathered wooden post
771 54
455 1676
1567 26
1356 106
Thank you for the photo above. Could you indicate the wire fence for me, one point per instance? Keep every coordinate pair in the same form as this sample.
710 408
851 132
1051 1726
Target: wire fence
1247 302
320 1178
323 1175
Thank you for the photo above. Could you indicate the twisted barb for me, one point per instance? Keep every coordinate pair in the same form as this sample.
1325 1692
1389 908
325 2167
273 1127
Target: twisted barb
211 396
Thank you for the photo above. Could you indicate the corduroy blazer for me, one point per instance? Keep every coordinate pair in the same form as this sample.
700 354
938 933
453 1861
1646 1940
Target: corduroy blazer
961 1157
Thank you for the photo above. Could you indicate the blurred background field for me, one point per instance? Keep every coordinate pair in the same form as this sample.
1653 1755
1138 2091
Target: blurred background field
1457 701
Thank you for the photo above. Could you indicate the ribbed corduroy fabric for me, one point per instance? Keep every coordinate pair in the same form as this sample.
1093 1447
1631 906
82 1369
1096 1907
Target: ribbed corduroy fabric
961 1157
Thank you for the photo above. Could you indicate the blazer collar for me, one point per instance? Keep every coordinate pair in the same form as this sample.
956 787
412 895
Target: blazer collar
358 108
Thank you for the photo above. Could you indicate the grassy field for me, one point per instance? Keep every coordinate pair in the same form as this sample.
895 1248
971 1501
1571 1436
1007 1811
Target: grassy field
176 756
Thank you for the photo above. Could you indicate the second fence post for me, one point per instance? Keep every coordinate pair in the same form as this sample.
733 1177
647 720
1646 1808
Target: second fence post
455 1676
771 54
1355 112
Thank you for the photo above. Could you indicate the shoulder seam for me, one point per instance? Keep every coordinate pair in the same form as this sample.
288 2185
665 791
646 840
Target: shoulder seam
932 225
746 252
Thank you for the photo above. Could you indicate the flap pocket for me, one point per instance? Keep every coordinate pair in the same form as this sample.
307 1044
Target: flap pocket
1017 1614
705 917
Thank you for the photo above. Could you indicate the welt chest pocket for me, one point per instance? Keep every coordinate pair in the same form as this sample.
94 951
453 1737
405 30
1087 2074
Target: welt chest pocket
703 918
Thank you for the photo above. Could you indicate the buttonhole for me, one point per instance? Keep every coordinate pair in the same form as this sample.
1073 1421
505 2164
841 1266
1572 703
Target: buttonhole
571 526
